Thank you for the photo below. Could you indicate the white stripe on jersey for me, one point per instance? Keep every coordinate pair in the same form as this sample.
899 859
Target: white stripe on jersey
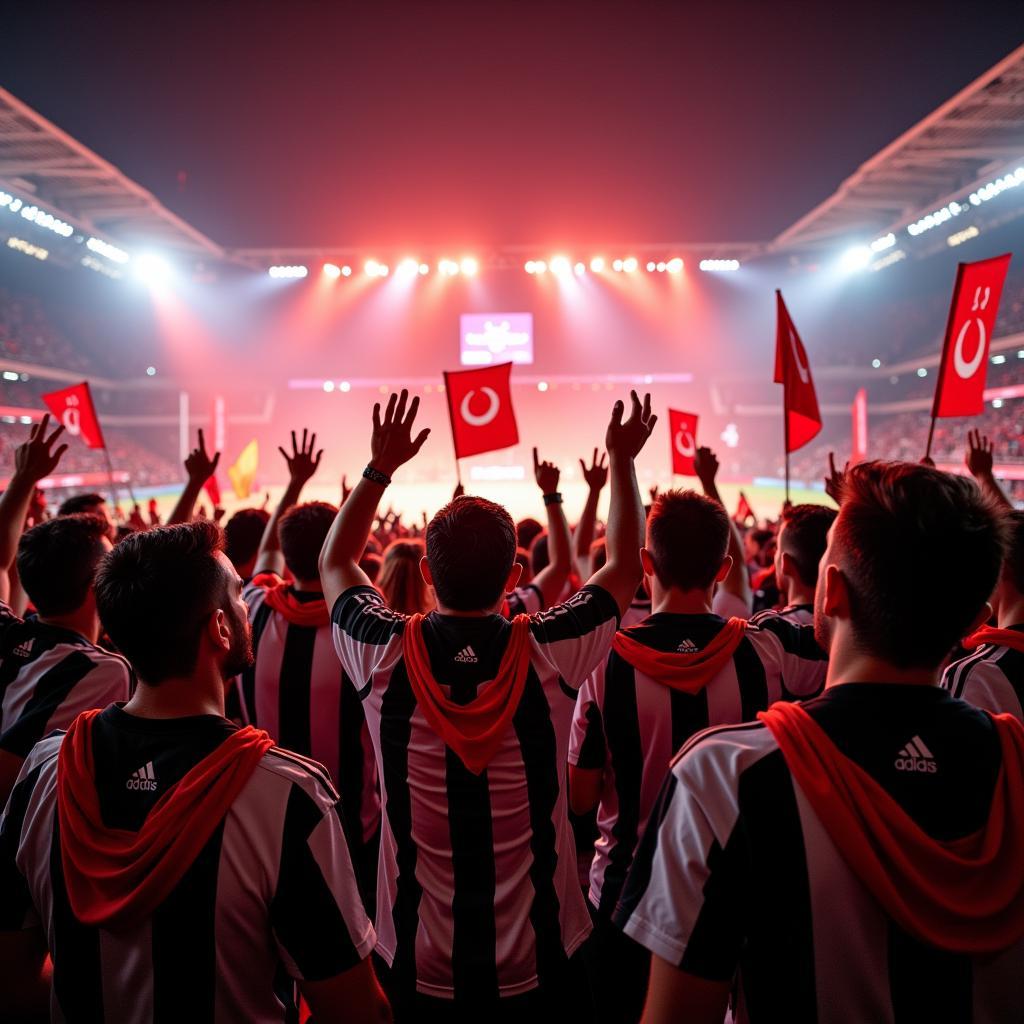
991 678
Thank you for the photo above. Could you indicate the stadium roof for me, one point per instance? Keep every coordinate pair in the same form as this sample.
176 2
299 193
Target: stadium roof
954 150
40 160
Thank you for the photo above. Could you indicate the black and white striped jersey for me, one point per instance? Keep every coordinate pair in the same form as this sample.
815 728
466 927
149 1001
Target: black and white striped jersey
48 676
797 614
629 726
477 889
737 880
991 677
526 600
272 897
297 692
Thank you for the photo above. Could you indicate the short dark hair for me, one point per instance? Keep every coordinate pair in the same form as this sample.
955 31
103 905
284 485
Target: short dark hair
471 544
687 537
903 533
1013 566
243 533
761 536
303 530
540 556
526 530
80 503
57 561
805 538
155 591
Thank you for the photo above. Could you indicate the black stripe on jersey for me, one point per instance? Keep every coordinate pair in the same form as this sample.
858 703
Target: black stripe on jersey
622 729
689 715
928 984
539 749
16 632
593 749
715 730
474 932
184 942
397 706
259 623
304 913
293 689
360 613
50 691
75 949
313 768
962 671
15 897
752 680
351 762
568 690
587 610
1011 664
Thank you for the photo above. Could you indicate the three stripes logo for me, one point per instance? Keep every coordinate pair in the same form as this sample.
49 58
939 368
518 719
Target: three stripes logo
916 757
24 649
687 647
467 656
142 779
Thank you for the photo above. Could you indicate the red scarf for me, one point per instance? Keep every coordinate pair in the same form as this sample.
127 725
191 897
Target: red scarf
281 597
689 673
964 895
116 878
475 730
1000 637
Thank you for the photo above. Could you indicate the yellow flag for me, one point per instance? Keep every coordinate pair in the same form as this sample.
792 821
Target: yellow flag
243 473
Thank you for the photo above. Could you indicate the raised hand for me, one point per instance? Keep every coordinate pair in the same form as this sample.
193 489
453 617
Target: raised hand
199 466
979 455
392 444
628 438
218 514
705 463
36 459
135 520
301 463
546 474
835 480
154 513
596 476
653 492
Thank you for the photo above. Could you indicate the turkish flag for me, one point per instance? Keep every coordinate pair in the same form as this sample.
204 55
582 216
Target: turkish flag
743 510
803 420
683 430
480 407
860 427
74 409
212 488
972 316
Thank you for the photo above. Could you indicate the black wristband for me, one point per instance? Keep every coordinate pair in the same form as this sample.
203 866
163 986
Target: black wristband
376 476
554 498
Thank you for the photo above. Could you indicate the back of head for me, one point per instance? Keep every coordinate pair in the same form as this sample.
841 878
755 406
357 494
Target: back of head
78 503
400 579
526 530
471 544
539 555
921 551
57 561
1013 566
155 592
804 538
687 537
303 530
243 533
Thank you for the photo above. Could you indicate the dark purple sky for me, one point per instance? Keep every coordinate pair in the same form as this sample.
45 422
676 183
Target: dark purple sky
447 123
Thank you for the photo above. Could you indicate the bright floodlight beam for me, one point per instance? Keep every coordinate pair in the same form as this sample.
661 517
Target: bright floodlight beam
597 264
560 265
469 266
152 269
332 270
856 258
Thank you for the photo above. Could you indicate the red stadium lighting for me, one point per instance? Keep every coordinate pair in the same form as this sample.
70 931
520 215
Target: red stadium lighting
560 265
580 269
408 268
447 268
469 266
630 265
617 266
651 265
674 265
597 264
346 271
332 270
540 267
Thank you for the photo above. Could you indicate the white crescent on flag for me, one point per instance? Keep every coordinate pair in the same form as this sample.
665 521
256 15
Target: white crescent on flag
688 447
967 368
484 418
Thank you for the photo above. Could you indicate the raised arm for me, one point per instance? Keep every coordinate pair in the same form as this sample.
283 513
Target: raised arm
33 460
301 467
737 582
391 446
200 467
596 476
551 579
622 573
979 459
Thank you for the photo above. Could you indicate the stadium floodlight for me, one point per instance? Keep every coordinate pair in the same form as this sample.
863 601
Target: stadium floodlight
408 268
922 372
20 245
447 268
883 242
288 272
560 265
959 237
675 265
597 264
617 266
540 267
150 371
344 386
346 271
424 269
999 359
153 269
580 269
651 266
542 385
630 265
997 185
719 266
935 218
104 248
374 269
469 266
43 219
856 258
997 403
332 270
876 364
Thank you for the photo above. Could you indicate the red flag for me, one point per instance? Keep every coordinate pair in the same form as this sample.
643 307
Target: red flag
743 510
212 488
803 420
860 427
73 407
972 316
480 407
683 432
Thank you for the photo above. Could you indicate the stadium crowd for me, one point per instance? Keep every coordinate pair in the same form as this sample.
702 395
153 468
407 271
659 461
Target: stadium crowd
329 763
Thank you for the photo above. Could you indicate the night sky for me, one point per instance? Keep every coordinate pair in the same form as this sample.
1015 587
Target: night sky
467 124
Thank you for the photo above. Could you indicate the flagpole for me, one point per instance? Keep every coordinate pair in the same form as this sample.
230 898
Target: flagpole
931 434
110 474
785 415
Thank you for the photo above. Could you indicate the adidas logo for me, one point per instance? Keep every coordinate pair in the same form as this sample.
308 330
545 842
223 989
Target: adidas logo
916 757
142 779
687 647
23 650
467 656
